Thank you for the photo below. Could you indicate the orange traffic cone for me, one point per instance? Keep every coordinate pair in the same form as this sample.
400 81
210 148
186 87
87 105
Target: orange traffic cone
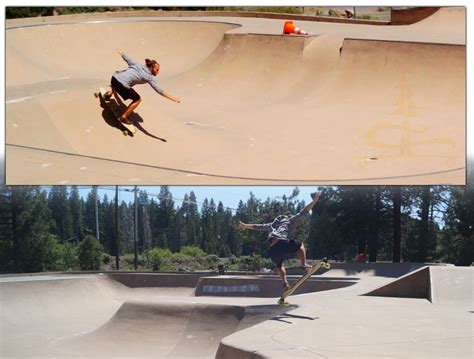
290 28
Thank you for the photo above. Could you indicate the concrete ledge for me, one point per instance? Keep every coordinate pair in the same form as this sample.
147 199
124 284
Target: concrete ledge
161 14
147 280
263 287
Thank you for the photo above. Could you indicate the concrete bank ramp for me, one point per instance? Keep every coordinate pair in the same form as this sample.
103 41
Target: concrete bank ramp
96 316
438 284
175 330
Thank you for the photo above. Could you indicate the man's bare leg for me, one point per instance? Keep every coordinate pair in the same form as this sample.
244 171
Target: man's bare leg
282 273
302 256
129 110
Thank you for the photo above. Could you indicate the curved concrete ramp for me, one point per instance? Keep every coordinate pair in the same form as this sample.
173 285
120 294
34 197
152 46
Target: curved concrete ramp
192 330
287 109
94 316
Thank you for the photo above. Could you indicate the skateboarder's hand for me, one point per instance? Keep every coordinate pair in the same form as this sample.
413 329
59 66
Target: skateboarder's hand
242 225
316 196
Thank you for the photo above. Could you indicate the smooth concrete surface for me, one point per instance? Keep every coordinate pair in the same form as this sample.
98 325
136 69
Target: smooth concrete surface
95 316
349 104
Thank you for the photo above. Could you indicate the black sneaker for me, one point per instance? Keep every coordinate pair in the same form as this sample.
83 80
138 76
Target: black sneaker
286 285
125 120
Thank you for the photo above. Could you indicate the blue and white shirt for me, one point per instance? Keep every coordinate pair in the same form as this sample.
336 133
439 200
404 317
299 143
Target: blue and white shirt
136 74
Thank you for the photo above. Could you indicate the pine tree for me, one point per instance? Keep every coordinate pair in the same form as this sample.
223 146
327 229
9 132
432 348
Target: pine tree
325 236
458 237
31 224
89 212
77 213
192 221
107 225
420 243
397 223
144 228
61 213
126 227
208 214
162 217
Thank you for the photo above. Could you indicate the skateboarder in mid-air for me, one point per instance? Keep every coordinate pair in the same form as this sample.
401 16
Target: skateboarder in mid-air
123 81
279 237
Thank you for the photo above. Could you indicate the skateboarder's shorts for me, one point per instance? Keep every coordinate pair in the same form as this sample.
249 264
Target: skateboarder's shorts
281 249
125 93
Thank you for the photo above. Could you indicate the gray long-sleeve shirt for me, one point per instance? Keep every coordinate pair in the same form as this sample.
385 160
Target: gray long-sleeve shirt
136 74
282 226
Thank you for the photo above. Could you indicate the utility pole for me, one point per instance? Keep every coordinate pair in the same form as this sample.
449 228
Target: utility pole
117 261
135 233
96 189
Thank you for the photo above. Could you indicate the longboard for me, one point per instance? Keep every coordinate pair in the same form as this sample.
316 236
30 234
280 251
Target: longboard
290 290
114 108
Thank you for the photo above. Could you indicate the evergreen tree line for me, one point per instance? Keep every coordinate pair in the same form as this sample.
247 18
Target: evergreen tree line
39 227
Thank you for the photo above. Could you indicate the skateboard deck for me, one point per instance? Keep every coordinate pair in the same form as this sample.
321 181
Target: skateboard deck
290 290
114 108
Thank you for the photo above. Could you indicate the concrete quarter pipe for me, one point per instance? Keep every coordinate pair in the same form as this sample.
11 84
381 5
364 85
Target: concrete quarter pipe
399 310
349 104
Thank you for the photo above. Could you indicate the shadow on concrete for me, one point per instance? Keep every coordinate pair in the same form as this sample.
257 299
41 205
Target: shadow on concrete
282 317
110 118
137 120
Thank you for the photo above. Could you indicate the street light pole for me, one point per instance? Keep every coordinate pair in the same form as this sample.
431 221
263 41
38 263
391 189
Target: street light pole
117 260
135 232
97 233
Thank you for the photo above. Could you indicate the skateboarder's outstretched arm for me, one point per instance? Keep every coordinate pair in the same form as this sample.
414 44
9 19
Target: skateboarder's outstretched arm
127 59
162 92
310 205
170 97
256 227
299 216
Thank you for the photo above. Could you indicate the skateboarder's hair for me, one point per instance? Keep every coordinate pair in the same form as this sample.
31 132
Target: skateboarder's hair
151 63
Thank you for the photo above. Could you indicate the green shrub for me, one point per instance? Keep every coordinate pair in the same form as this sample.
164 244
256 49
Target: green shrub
13 12
90 253
192 251
67 257
155 258
254 263
367 17
6 256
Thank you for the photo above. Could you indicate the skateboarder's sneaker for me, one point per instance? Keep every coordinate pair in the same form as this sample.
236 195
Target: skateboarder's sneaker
286 285
306 267
126 120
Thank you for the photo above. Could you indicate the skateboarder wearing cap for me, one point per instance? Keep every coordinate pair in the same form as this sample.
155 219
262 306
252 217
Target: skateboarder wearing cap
279 238
123 81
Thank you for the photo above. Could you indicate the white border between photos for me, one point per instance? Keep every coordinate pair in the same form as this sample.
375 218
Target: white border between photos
469 97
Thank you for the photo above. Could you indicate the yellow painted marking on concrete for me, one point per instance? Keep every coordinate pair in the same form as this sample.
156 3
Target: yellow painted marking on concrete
406 144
